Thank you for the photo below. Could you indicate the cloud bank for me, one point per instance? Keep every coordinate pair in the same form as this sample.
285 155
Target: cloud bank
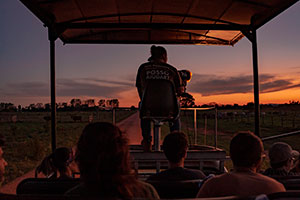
208 85
68 88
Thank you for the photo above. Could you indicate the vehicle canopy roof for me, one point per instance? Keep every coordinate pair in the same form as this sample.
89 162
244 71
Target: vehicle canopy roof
217 22
206 22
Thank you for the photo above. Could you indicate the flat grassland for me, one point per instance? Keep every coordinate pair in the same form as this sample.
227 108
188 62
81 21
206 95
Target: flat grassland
273 121
29 141
28 138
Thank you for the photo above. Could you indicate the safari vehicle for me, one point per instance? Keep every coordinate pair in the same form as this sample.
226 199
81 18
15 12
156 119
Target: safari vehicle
189 22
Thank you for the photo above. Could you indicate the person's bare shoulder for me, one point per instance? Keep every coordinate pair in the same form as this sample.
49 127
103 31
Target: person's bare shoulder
207 189
272 183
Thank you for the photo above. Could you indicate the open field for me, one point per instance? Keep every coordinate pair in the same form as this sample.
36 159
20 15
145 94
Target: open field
28 138
273 122
28 133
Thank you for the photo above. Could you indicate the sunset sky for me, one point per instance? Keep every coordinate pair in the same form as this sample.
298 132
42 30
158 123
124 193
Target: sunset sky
221 74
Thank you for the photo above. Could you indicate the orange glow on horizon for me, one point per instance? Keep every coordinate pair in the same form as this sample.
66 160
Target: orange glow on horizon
131 98
279 97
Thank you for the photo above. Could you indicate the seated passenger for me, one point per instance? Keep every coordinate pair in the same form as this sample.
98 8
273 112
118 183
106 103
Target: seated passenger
3 162
296 168
281 158
246 154
104 164
57 163
175 147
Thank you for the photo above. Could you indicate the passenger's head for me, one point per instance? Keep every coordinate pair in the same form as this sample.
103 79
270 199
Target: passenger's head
61 158
3 163
246 150
281 154
102 154
59 161
175 146
158 53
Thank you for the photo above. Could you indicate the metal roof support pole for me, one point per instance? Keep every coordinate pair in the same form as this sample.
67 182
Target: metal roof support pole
52 39
251 35
256 83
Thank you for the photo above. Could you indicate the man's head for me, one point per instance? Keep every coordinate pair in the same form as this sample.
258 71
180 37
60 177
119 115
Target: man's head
3 163
175 147
158 53
281 154
246 150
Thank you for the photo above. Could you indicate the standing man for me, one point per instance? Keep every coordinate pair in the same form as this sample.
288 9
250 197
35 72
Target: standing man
157 60
3 163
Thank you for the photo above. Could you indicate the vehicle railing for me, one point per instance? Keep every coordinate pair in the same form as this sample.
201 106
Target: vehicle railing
280 136
196 159
195 124
115 109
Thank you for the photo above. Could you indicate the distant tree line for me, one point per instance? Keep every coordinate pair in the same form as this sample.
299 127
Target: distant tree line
75 104
186 101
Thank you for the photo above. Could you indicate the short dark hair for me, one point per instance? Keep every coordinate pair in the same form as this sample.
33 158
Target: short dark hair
246 149
2 140
175 146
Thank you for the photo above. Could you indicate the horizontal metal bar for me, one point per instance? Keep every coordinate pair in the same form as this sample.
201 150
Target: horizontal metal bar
149 14
104 33
154 26
255 3
191 155
164 164
209 108
179 42
281 135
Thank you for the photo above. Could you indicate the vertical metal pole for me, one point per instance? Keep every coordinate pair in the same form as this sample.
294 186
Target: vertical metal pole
216 127
255 82
195 126
157 133
205 128
53 96
114 116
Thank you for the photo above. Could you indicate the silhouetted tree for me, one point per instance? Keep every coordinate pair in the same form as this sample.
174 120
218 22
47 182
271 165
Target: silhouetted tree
187 100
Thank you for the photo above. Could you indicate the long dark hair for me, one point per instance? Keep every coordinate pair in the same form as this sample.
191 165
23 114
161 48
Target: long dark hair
104 163
59 160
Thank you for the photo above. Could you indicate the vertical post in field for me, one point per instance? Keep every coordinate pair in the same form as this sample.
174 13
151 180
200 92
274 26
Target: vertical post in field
195 126
114 116
216 128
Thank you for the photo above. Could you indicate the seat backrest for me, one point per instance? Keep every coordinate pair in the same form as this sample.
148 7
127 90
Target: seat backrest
159 97
289 182
47 197
177 189
289 195
46 186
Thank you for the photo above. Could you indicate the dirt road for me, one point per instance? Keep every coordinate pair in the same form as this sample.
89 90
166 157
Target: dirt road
131 126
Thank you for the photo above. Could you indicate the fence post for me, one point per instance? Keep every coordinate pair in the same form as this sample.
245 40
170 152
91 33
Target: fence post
195 126
216 127
205 127
114 116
